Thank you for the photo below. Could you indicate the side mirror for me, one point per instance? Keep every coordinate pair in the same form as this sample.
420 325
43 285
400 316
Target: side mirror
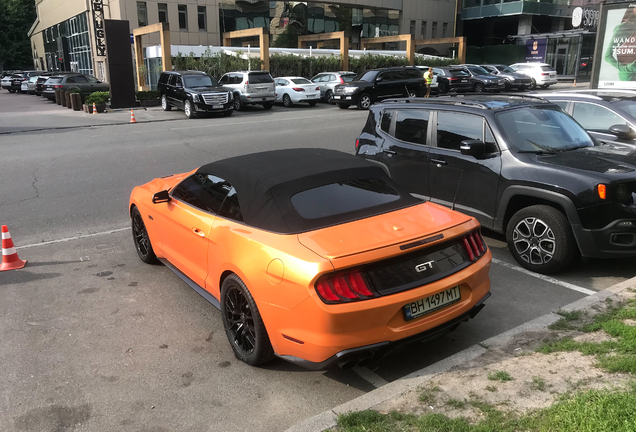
179 85
379 79
160 197
472 148
622 131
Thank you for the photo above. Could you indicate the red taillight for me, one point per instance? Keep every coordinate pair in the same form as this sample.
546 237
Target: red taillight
474 245
298 89
357 143
343 287
341 80
57 86
247 82
453 79
317 88
545 74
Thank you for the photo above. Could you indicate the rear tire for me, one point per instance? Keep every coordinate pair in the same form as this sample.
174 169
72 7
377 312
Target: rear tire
533 85
141 238
238 105
540 239
442 88
478 87
287 101
243 324
164 103
329 97
343 106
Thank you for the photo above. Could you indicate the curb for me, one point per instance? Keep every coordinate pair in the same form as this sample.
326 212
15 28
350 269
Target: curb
327 419
85 126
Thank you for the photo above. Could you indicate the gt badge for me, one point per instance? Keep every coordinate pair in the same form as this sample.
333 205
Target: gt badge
424 266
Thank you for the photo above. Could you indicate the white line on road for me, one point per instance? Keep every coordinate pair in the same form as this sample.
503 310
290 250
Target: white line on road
370 376
73 238
545 278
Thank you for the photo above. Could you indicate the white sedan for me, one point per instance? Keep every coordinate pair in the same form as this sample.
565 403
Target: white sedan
292 90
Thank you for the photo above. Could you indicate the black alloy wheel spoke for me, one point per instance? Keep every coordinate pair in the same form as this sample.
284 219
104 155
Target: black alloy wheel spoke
240 320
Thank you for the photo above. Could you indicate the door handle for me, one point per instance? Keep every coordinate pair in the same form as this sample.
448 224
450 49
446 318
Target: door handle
390 152
439 162
198 232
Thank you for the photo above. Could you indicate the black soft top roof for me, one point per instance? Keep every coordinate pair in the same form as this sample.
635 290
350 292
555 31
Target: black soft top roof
265 183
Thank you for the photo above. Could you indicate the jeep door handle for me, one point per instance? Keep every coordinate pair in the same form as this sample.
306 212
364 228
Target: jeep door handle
439 162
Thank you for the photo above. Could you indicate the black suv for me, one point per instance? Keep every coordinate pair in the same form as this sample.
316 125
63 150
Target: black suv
377 84
519 165
452 79
194 92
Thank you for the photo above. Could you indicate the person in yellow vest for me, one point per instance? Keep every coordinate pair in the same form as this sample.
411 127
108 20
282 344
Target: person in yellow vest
428 76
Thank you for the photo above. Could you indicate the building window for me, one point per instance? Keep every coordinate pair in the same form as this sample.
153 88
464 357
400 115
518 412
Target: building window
434 30
183 17
163 12
201 17
412 28
142 14
444 28
423 30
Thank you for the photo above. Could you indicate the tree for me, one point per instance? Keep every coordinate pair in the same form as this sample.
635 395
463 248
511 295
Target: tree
16 18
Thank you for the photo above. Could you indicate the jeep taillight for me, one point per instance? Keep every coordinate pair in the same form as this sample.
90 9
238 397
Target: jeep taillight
474 245
343 287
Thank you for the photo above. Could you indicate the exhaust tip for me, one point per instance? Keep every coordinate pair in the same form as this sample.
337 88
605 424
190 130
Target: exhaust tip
347 364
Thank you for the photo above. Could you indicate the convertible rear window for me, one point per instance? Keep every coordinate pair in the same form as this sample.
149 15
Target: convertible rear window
343 197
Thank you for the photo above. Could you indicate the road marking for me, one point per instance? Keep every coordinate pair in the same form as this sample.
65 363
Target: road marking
370 376
73 238
545 278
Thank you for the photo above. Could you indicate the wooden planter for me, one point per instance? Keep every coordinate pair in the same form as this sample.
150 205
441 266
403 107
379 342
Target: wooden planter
58 97
150 102
68 100
63 97
76 101
88 108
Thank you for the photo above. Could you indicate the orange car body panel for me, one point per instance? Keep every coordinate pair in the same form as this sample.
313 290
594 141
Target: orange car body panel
280 270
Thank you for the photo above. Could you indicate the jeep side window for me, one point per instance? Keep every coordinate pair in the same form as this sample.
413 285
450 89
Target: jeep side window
453 128
412 126
385 122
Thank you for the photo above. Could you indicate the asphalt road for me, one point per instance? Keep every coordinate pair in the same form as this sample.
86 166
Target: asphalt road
94 340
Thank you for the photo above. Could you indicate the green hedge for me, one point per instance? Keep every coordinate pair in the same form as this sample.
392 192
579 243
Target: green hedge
291 65
97 97
147 95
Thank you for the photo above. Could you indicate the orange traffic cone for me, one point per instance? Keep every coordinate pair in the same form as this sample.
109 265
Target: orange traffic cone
10 260
94 108
132 117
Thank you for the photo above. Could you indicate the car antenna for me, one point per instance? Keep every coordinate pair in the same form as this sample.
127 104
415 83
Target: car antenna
457 190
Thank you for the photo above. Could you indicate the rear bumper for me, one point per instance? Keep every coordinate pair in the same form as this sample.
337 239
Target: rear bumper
364 354
305 97
258 99
316 335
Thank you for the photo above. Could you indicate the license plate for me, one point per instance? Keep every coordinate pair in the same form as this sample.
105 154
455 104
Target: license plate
337 97
464 81
431 303
217 106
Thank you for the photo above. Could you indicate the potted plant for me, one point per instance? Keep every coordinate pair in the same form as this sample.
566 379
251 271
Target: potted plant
142 72
99 98
76 99
148 98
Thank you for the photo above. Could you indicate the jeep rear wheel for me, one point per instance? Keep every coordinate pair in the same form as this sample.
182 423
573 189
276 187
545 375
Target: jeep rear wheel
540 239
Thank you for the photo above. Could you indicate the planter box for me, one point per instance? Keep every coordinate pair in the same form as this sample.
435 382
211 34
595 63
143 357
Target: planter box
58 97
150 102
88 108
76 101
67 95
63 97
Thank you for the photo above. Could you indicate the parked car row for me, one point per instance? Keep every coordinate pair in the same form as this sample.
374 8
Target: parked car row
42 83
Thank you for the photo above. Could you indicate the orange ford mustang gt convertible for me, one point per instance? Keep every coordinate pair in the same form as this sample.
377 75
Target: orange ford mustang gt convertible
313 255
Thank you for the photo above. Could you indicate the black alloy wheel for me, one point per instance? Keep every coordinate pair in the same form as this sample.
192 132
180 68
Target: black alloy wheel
533 85
442 88
238 105
540 239
478 87
287 101
364 101
141 239
243 324
164 103
329 97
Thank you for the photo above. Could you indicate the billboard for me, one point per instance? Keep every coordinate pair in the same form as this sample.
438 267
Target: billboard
615 53
535 50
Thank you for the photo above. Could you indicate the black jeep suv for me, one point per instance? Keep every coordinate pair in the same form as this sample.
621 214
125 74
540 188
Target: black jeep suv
194 92
519 165
377 84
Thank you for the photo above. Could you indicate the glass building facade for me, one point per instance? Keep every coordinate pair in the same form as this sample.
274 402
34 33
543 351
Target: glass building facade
67 46
307 18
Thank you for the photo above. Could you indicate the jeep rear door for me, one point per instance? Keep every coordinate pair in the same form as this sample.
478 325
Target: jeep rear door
407 140
466 183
